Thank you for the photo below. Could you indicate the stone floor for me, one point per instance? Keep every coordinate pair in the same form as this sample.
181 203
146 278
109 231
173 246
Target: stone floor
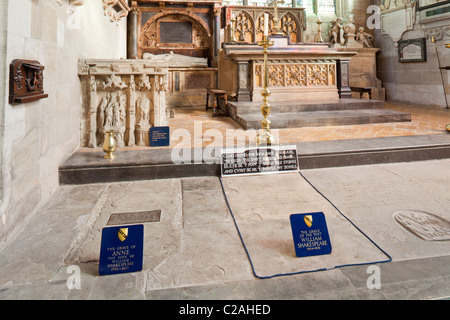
424 120
196 127
195 252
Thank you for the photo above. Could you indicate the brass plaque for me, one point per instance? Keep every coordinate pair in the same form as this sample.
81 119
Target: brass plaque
424 225
134 217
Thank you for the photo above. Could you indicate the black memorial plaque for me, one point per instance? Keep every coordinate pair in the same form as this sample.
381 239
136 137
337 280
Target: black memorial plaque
259 160
175 32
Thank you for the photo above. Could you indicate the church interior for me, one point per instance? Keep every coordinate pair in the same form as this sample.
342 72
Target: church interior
348 82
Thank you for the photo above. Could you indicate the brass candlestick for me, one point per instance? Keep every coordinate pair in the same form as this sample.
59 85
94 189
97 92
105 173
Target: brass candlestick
319 31
265 136
109 146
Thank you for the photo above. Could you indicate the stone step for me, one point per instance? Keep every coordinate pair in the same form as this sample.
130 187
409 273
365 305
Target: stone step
306 105
322 118
87 166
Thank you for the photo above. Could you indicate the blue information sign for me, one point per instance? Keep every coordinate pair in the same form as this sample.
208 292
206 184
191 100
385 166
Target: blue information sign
159 136
310 234
121 249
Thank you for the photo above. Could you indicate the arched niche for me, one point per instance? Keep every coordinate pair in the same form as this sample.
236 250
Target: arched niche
181 33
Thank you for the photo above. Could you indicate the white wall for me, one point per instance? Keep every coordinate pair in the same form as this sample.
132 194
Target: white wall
36 137
415 82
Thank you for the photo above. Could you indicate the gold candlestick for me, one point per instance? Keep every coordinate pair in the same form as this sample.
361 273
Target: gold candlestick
265 136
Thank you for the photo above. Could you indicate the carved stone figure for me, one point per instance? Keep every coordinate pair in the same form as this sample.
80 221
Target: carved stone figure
350 32
336 32
364 38
143 111
109 114
177 60
349 26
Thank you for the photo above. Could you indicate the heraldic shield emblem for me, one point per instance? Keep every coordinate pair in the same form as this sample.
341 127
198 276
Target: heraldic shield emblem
122 234
308 220
310 234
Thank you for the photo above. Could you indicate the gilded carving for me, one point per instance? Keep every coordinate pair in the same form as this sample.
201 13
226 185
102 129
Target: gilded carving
317 75
296 75
289 26
304 74
276 75
244 27
248 22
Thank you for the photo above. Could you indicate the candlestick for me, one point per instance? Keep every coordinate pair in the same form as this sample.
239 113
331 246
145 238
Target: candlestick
319 31
266 24
265 137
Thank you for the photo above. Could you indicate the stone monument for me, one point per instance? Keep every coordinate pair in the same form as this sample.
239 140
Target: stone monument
124 96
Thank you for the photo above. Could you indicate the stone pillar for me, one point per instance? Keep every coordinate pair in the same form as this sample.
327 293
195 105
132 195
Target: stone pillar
243 93
132 41
343 83
216 31
131 122
92 143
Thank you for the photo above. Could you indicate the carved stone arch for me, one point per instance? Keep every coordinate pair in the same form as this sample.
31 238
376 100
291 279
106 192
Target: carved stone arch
259 22
290 25
201 39
245 27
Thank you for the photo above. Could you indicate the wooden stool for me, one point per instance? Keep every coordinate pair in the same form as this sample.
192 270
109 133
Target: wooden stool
361 91
220 96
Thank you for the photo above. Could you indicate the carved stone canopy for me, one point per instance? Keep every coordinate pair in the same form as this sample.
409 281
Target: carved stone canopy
116 9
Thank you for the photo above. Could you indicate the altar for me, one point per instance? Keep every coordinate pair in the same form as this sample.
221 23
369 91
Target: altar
295 71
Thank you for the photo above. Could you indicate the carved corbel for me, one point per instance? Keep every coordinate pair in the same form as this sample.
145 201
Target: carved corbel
116 9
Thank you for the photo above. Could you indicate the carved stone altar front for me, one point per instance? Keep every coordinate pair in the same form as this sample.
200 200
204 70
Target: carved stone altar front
124 96
295 71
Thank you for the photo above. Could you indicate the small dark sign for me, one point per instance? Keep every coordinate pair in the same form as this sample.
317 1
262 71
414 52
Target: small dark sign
159 136
175 32
259 160
310 234
121 249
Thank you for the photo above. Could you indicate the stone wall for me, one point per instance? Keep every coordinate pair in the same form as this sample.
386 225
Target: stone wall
36 137
417 82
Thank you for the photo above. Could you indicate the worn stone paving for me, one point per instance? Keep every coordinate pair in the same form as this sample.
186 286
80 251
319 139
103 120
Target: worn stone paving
194 252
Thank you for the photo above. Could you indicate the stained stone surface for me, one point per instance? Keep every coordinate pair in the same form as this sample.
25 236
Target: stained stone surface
262 206
194 251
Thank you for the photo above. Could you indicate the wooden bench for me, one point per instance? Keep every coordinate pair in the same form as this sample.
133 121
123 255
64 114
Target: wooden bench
221 101
361 91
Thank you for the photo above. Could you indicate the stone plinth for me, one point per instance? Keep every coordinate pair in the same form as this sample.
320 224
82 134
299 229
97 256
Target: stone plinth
363 70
